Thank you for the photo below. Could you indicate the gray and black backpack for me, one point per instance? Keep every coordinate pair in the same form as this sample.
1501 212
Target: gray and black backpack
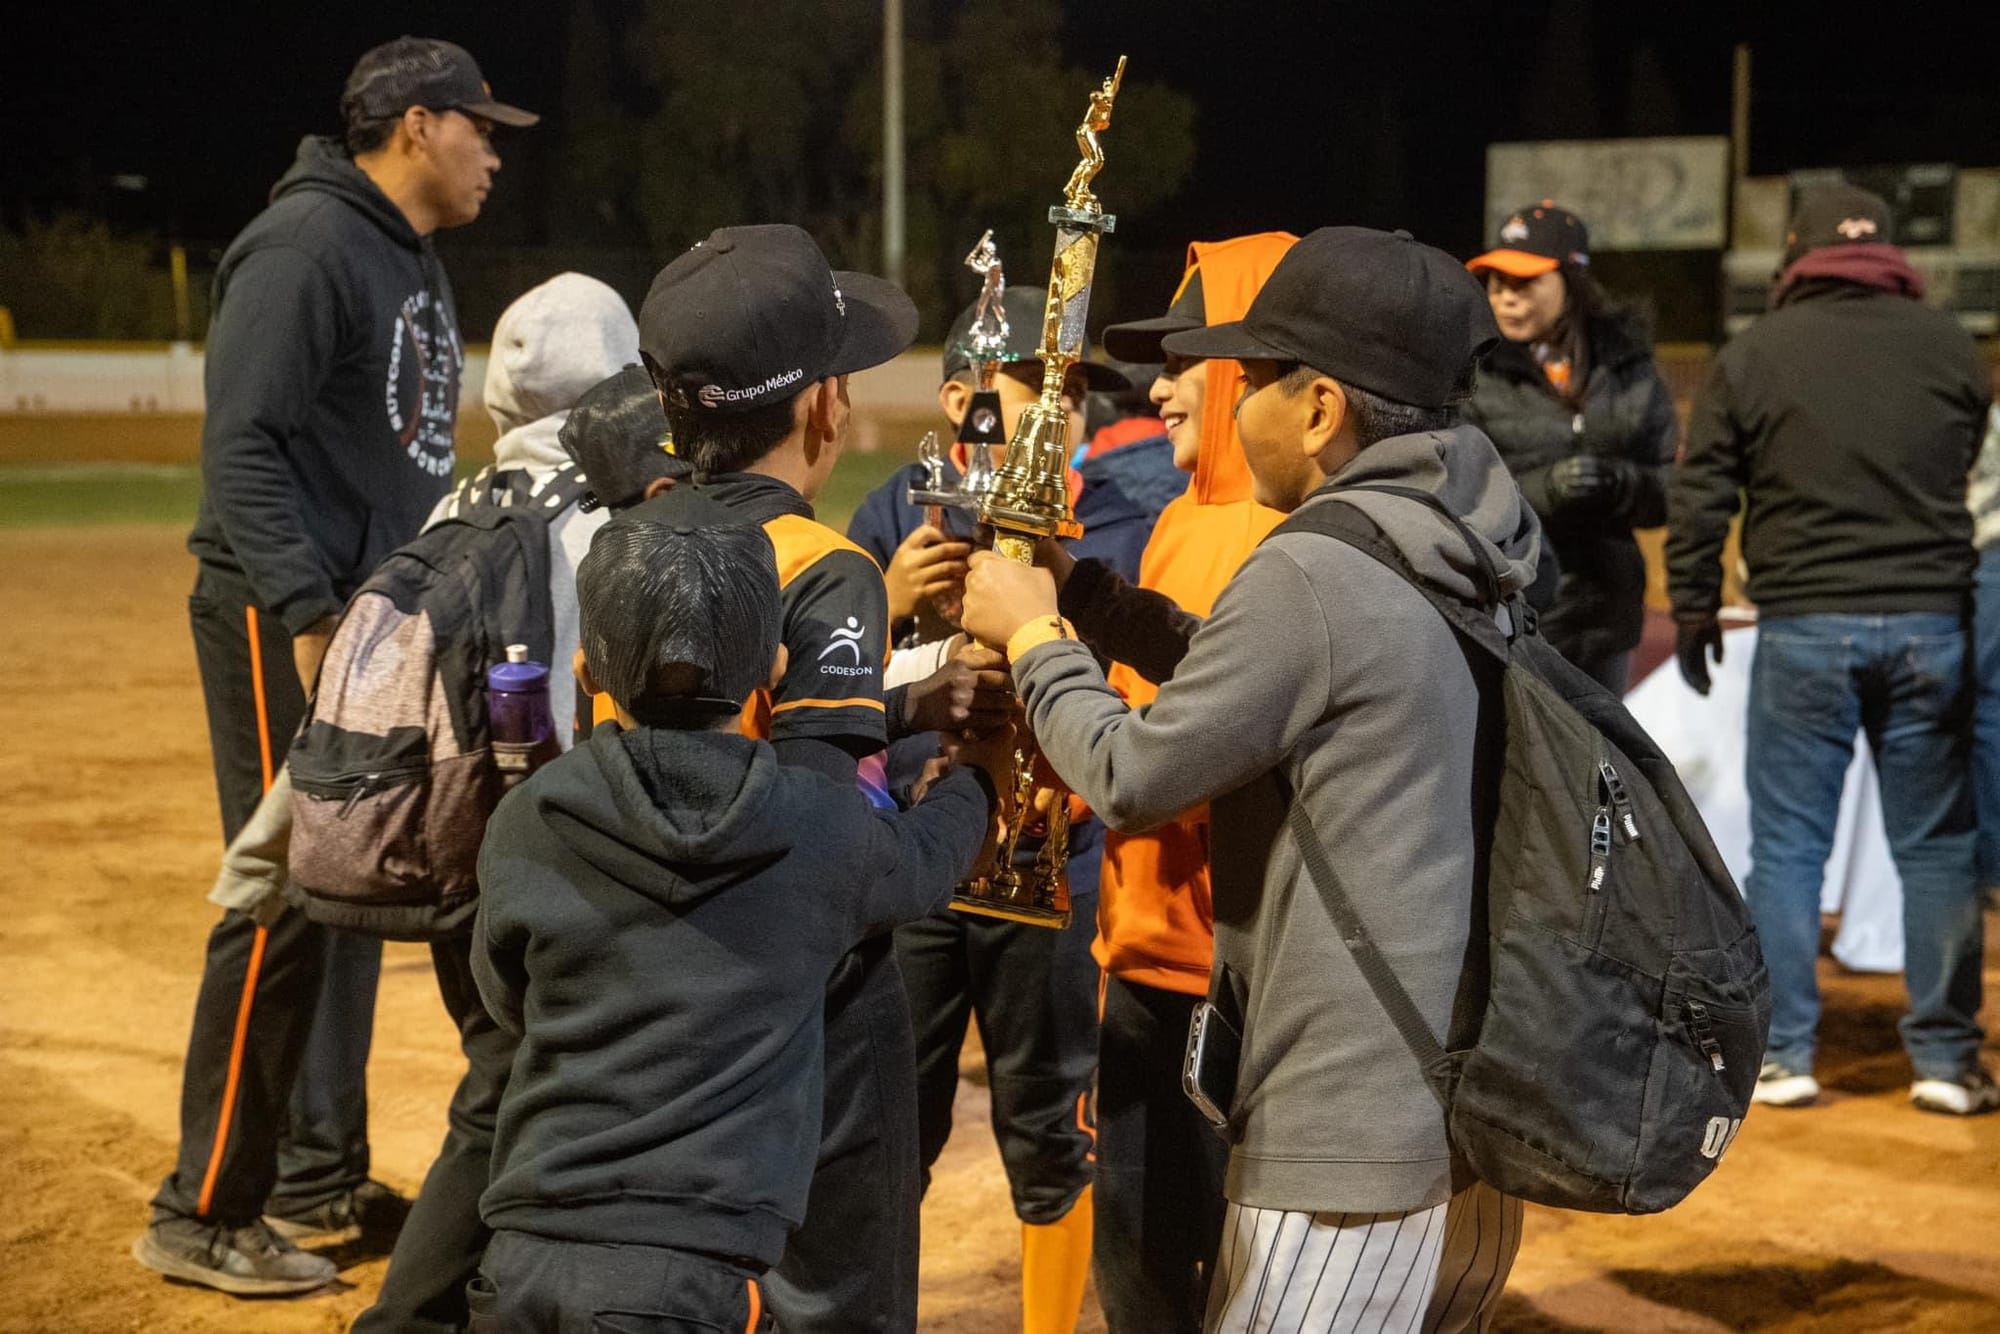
1604 1053
394 770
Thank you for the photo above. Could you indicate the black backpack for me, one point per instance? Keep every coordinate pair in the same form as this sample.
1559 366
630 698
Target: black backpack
394 770
1615 1036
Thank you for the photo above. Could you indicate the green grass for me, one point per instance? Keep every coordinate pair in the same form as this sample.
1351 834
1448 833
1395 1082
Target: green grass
84 494
81 494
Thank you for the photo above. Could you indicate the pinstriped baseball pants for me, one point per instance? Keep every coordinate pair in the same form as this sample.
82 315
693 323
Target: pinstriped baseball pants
1436 1270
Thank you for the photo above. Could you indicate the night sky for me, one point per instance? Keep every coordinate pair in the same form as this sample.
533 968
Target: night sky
1309 113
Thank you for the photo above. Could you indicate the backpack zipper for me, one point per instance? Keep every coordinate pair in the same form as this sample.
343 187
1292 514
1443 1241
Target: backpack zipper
360 791
1600 849
1621 800
1703 1036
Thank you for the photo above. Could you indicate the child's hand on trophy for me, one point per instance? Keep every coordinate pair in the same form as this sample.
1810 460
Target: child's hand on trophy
1002 595
927 566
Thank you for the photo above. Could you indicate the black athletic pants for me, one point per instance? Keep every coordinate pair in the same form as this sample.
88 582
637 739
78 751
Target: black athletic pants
439 1249
1160 1168
274 1093
852 1265
539 1285
1033 993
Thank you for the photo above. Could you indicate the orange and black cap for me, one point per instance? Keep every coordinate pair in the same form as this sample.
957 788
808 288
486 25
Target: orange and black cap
1536 240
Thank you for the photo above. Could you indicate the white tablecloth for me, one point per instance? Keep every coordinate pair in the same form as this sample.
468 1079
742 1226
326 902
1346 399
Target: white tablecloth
1705 740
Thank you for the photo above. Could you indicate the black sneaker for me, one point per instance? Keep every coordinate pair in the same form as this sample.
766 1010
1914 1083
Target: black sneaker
250 1261
370 1210
1967 1094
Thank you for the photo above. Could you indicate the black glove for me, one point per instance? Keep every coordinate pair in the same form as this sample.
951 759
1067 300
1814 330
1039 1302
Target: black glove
1696 635
1591 480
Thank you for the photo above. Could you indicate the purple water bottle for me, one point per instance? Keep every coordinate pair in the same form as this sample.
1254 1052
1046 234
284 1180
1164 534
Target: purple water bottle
517 711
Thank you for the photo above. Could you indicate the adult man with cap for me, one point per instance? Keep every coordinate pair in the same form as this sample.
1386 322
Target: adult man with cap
332 390
1847 419
1032 990
1322 678
750 338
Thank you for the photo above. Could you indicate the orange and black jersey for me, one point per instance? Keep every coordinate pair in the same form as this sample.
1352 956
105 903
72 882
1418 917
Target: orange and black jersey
836 615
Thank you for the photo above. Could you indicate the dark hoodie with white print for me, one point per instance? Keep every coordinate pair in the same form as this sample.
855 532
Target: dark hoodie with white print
659 914
1321 668
332 380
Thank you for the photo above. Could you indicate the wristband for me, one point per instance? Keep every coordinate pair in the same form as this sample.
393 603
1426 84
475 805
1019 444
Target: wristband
1042 630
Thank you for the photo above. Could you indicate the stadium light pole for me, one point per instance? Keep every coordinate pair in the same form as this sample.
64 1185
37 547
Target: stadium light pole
892 141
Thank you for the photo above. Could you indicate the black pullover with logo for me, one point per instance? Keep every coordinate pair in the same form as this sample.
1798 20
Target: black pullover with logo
331 379
659 914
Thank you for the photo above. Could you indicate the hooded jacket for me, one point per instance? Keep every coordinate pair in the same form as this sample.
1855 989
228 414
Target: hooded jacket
332 380
1323 668
1624 411
1154 924
550 346
1844 423
658 929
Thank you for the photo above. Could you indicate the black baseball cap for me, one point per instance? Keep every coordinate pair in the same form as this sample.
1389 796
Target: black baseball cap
1024 308
1377 310
425 72
753 315
617 435
1139 340
1536 240
1836 215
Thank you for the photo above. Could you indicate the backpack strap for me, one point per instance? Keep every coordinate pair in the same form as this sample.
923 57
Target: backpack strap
1382 980
1351 524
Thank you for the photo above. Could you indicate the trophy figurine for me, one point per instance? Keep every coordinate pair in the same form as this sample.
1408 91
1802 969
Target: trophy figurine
1027 500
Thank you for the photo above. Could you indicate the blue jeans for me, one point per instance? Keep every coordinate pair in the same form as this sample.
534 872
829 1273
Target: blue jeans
1986 727
1901 679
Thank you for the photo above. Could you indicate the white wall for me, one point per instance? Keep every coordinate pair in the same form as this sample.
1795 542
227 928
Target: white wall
167 378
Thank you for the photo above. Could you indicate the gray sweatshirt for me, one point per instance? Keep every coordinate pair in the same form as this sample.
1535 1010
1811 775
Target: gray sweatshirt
1323 666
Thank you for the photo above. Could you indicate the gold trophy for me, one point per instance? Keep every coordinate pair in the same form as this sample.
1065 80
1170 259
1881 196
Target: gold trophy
1029 500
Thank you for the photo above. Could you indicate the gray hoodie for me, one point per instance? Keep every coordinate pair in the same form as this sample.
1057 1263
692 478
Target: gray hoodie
1324 667
553 343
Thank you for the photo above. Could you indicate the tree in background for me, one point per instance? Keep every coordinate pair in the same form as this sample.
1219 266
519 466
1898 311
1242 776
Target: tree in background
71 276
771 111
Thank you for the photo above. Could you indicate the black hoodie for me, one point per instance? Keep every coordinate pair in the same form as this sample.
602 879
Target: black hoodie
332 390
659 915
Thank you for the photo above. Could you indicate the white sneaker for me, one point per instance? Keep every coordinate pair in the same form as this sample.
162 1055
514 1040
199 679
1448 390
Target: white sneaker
1968 1094
1779 1087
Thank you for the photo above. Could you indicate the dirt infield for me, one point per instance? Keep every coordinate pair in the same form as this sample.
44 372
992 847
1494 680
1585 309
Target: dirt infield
1857 1215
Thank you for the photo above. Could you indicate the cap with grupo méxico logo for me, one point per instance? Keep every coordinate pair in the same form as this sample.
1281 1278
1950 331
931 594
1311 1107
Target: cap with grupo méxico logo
754 315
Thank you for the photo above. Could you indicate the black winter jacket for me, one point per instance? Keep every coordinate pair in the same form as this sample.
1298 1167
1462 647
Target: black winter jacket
1848 419
659 914
1626 413
332 389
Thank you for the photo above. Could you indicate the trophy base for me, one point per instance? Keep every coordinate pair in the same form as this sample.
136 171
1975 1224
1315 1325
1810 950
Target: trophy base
1030 914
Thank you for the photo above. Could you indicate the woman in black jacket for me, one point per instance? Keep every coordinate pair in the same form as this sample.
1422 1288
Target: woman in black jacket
1574 403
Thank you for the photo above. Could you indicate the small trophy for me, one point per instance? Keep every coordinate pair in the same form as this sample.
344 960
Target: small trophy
979 431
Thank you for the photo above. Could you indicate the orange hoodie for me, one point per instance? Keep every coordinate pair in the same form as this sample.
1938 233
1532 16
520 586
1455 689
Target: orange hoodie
1155 924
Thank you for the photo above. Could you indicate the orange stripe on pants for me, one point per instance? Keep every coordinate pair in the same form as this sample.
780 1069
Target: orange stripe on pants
242 1036
756 1306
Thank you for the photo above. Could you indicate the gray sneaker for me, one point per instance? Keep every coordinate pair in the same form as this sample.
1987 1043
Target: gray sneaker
250 1261
370 1210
